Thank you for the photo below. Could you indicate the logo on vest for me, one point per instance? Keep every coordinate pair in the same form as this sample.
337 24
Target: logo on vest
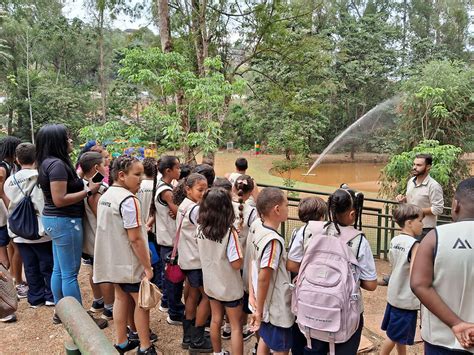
462 244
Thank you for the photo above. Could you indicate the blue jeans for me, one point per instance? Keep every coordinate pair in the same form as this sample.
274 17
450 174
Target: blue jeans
67 237
172 292
38 262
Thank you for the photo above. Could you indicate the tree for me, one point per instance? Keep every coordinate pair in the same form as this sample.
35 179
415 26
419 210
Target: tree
448 168
437 104
166 75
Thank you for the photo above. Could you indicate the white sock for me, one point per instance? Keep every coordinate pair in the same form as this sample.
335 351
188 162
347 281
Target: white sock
100 300
110 307
227 327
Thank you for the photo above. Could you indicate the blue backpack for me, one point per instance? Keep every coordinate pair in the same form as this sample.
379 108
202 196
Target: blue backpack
23 221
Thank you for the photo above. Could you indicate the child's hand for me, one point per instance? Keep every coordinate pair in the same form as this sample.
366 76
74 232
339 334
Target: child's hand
94 187
171 214
3 277
255 321
252 300
464 333
148 273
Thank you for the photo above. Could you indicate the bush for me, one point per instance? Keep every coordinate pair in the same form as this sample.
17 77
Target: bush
448 169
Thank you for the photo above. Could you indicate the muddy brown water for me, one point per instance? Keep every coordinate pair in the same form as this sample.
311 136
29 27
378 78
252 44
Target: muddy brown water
360 176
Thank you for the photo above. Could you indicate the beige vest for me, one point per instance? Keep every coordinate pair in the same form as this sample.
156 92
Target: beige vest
145 195
399 293
89 224
114 259
453 280
188 253
277 309
165 225
221 281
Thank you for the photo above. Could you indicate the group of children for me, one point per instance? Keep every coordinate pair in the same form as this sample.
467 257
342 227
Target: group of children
223 233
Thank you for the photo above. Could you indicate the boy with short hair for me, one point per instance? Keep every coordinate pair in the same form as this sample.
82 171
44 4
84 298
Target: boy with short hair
269 281
402 305
37 254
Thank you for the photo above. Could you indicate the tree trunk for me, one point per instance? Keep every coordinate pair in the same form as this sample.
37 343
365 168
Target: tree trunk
10 121
103 88
165 28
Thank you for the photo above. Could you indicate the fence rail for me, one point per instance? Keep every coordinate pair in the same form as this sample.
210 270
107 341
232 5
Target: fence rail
377 222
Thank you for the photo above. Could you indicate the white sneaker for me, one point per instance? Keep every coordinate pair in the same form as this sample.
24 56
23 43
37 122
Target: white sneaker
9 319
22 290
49 304
163 309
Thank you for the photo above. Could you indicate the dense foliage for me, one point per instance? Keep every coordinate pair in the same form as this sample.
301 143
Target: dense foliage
310 69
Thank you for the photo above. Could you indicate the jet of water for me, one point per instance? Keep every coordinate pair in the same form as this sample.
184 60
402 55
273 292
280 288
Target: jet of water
381 116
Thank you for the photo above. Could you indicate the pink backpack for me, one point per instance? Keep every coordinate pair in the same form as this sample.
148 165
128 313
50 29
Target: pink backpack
326 295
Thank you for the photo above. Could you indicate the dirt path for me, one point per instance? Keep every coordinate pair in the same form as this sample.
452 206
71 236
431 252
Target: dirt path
34 332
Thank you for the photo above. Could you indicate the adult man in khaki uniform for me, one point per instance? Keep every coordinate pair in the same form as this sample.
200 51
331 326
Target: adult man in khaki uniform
425 192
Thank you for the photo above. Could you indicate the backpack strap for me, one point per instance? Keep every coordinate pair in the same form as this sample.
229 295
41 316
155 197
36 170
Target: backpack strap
18 185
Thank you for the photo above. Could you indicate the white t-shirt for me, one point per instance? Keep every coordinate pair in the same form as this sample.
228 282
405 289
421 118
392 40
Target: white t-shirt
296 251
131 213
27 179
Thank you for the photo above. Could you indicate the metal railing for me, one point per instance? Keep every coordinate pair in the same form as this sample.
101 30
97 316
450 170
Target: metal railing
377 222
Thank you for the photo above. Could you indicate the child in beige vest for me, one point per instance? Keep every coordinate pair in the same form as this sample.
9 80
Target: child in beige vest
188 194
221 259
269 281
121 254
399 320
92 163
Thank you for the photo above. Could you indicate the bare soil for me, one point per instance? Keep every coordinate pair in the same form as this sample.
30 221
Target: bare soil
34 332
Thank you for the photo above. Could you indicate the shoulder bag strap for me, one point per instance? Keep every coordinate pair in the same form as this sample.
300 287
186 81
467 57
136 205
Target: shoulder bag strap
176 239
18 184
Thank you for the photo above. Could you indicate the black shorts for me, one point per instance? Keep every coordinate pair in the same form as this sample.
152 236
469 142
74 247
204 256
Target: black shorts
4 237
245 307
130 288
229 304
194 277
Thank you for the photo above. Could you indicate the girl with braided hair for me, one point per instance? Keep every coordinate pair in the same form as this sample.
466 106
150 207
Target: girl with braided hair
345 214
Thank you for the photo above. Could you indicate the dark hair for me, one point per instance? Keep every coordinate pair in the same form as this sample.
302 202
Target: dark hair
465 191
223 183
208 161
167 162
185 171
149 166
428 158
241 164
7 148
312 209
343 200
89 160
243 184
406 212
268 198
52 140
122 163
216 214
25 153
179 192
207 171
87 148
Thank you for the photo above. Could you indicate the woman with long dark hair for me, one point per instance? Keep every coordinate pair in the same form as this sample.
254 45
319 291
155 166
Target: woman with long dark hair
64 195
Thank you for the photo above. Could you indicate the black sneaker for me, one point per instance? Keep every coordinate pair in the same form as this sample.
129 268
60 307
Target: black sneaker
199 342
134 335
226 334
56 319
97 306
150 351
108 314
247 334
132 344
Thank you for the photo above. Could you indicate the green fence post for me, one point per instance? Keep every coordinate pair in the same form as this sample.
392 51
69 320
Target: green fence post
379 232
386 233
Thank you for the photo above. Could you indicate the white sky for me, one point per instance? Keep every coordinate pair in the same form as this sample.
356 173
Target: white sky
76 8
